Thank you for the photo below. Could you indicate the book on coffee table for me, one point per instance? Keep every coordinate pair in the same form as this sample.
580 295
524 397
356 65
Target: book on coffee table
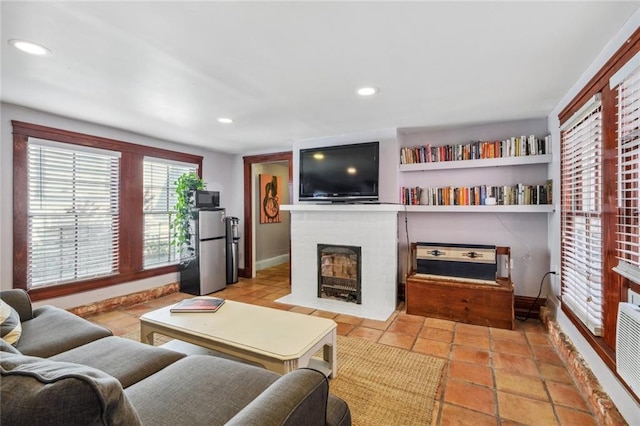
203 304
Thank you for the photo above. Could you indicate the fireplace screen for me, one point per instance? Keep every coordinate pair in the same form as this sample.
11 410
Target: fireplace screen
339 271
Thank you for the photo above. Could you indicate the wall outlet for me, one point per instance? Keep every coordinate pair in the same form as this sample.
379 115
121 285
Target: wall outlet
555 278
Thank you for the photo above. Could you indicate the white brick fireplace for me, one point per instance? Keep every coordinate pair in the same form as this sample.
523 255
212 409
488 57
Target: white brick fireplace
374 228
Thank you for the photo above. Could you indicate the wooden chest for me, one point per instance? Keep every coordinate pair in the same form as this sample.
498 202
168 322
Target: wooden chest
479 304
461 300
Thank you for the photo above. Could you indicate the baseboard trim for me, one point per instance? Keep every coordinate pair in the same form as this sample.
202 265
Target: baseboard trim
273 261
522 304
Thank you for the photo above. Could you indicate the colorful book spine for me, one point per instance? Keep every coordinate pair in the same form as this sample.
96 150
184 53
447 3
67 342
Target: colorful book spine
519 194
515 146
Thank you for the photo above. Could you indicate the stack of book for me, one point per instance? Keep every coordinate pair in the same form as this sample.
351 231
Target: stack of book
198 304
476 150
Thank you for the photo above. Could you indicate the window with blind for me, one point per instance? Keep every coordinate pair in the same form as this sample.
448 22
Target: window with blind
160 197
72 213
628 117
581 218
80 217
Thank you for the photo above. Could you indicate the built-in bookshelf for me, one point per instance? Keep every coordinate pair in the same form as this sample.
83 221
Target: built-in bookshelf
515 146
473 164
536 208
479 195
521 197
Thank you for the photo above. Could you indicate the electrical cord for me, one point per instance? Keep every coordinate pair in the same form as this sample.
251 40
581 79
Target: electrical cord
526 317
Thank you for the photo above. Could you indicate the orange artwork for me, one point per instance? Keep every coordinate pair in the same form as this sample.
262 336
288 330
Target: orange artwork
270 187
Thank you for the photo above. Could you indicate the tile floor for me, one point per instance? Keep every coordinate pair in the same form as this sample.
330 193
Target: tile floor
493 377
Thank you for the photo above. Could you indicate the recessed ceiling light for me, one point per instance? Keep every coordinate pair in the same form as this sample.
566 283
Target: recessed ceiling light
30 47
367 91
225 120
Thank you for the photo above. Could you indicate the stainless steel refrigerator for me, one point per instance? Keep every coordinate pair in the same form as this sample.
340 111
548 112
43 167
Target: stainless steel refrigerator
206 272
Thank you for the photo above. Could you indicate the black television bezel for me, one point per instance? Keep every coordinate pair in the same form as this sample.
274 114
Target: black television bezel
340 197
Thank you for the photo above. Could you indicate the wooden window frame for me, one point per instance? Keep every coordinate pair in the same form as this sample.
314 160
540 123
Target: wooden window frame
131 241
614 287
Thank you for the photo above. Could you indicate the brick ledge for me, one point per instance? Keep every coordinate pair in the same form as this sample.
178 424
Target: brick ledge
598 400
125 300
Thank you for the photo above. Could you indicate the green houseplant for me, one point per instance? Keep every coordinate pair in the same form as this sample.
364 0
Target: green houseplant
183 223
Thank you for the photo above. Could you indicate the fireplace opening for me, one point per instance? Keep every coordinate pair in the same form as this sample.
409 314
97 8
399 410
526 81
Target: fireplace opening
339 272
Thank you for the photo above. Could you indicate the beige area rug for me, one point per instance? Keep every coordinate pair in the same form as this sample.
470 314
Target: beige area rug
384 385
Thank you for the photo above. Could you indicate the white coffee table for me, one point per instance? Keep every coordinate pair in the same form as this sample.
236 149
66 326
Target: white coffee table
281 341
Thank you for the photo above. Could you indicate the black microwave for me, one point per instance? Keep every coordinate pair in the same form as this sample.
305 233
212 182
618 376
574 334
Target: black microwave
207 199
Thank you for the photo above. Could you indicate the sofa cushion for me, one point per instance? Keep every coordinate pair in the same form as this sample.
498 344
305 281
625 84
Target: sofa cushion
198 389
44 392
53 330
124 359
5 347
297 398
338 413
10 327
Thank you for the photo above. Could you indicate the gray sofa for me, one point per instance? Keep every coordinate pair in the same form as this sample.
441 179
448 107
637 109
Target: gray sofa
66 370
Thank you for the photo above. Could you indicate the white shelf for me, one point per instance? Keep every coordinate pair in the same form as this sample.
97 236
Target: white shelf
533 208
471 164
342 207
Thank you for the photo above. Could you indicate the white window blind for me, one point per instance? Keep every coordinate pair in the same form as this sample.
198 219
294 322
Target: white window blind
627 236
73 213
160 197
581 229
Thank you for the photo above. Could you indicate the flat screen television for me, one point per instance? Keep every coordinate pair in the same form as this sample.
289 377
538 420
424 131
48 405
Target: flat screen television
340 173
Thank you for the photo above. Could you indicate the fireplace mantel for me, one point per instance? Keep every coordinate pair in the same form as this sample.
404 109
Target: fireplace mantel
372 227
342 207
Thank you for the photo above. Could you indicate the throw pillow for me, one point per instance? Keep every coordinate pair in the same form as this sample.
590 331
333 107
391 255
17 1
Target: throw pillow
10 326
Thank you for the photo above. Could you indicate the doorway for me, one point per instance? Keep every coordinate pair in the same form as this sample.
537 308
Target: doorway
249 203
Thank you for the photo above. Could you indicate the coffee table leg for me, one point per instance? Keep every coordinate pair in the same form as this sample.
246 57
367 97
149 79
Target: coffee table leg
330 355
146 334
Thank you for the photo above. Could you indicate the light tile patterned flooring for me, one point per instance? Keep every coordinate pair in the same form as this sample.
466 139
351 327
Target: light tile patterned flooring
493 377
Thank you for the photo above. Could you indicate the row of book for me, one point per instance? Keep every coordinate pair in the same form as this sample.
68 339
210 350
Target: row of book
476 150
519 194
410 196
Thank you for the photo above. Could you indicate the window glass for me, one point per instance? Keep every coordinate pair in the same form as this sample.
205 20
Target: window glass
73 213
160 197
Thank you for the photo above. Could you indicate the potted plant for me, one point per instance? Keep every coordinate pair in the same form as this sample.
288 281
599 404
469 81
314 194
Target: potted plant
183 224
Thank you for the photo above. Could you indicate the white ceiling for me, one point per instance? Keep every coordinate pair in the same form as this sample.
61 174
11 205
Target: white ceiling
286 71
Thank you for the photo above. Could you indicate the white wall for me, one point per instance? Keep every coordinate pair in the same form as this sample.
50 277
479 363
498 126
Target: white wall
525 234
628 407
217 173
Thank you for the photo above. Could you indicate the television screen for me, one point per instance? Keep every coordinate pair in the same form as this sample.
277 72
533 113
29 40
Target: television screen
339 173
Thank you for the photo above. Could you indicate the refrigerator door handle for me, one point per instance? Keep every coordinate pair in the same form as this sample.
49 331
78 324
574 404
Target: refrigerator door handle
211 239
